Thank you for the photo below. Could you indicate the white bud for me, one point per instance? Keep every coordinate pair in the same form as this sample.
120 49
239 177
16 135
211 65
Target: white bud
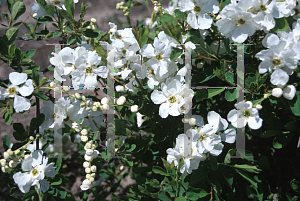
2 162
121 100
121 167
86 164
88 102
105 107
120 88
200 65
5 169
88 145
96 104
88 176
258 107
84 138
6 155
289 92
82 104
218 17
94 108
192 121
87 158
156 9
84 132
87 170
104 101
277 92
93 20
93 175
89 152
103 124
87 108
185 120
86 182
77 95
134 108
93 168
52 84
12 164
83 98
91 179
66 88
34 14
57 89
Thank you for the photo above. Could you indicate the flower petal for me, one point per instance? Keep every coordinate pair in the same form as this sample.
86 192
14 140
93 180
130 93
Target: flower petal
17 78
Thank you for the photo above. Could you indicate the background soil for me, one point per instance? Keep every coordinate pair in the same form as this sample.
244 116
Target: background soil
104 11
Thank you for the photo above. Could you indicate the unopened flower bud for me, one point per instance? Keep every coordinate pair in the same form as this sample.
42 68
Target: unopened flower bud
87 158
66 88
17 151
5 169
121 100
218 17
84 132
121 167
87 108
87 170
86 164
96 104
105 107
91 179
120 88
12 164
88 176
6 155
52 84
88 145
2 162
200 65
93 168
134 108
104 101
84 138
89 152
57 89
277 92
31 138
93 175
10 152
258 106
82 104
93 20
185 120
94 108
83 98
192 121
77 95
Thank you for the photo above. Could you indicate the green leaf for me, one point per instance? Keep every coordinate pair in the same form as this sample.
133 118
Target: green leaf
207 93
71 39
247 177
35 77
195 193
90 33
10 4
295 185
58 164
281 25
3 49
213 162
295 104
248 168
171 26
17 10
49 9
181 198
143 36
36 122
45 19
270 133
29 53
66 15
70 6
281 140
230 153
6 17
229 77
43 81
199 174
176 52
167 165
11 34
7 118
231 94
179 14
55 183
6 142
227 175
160 170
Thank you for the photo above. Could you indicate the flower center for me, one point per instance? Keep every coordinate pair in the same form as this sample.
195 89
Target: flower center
12 90
172 99
241 21
276 62
34 172
123 51
263 7
57 2
247 113
158 57
74 67
197 9
182 108
118 36
89 70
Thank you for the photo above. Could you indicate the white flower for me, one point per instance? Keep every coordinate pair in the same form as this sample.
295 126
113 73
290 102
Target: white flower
84 132
104 101
243 114
84 138
277 92
258 106
86 184
197 18
236 23
266 13
35 168
289 92
12 90
93 168
120 88
121 100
